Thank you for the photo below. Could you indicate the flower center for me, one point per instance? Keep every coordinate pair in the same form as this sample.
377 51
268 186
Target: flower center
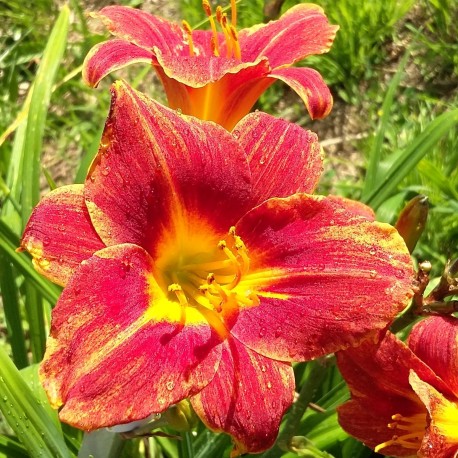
229 30
211 279
408 431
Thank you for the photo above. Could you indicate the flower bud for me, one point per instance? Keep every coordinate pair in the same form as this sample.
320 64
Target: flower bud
181 416
412 220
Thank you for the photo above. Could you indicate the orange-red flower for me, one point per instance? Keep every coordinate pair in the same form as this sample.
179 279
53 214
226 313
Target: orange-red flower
213 75
195 265
405 398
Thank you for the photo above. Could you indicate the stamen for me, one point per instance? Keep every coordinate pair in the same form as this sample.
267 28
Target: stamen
238 275
242 251
227 34
415 424
214 39
235 41
188 30
234 13
176 288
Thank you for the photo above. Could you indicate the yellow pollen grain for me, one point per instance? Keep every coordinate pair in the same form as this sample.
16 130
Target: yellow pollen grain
188 30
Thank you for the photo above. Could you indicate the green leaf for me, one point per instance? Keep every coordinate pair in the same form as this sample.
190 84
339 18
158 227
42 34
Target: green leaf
8 244
39 103
410 157
10 448
26 416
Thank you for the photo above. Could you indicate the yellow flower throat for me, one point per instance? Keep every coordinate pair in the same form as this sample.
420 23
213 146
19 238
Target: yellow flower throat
228 28
208 278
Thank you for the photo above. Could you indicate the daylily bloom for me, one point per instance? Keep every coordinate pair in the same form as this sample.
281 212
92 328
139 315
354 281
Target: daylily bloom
191 272
405 397
213 75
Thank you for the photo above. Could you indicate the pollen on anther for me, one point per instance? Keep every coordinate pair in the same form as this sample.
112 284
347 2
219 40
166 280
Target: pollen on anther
188 30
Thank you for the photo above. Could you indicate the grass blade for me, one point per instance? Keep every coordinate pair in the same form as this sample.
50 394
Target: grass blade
26 416
411 156
36 118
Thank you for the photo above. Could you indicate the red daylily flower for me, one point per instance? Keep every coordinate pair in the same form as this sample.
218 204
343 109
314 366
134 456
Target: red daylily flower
405 398
218 76
191 272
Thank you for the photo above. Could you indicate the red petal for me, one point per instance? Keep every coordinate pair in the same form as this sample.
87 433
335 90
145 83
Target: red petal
378 378
109 56
302 31
326 278
156 170
277 151
213 89
435 341
141 28
120 349
310 87
59 234
247 397
441 438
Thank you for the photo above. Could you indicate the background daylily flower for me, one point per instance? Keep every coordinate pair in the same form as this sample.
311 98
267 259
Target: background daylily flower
405 398
190 272
214 75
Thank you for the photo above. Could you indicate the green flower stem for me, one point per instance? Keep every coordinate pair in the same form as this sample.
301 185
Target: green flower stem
315 375
185 446
101 444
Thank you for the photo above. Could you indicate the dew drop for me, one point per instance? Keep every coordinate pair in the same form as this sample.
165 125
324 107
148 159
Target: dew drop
269 385
106 171
263 368
372 251
373 273
170 385
5 398
262 160
236 134
278 332
62 228
46 240
262 332
179 111
92 177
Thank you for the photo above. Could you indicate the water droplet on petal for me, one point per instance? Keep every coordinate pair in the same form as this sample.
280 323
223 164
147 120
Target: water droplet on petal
372 251
106 171
170 385
263 368
236 134
269 385
278 331
46 240
262 332
373 273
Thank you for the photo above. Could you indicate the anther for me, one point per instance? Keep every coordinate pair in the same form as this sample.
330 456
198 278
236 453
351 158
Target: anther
176 288
214 39
188 31
235 41
227 34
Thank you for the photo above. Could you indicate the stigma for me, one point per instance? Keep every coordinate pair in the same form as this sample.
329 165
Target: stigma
408 431
228 28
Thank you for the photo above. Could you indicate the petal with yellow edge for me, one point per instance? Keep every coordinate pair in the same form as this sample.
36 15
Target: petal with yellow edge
247 397
302 31
277 151
156 167
310 87
59 234
318 270
435 341
111 56
441 438
118 339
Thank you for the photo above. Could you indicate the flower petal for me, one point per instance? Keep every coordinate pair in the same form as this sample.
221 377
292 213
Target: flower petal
112 55
277 151
118 340
441 438
302 31
154 161
310 87
435 341
141 28
319 270
59 234
247 397
378 378
212 89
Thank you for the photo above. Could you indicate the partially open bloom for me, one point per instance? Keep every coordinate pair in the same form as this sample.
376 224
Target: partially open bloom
405 398
192 272
214 75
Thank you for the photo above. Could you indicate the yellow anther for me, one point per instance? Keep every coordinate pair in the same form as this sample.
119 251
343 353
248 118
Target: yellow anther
176 288
188 31
207 8
227 34
210 278
219 14
232 231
